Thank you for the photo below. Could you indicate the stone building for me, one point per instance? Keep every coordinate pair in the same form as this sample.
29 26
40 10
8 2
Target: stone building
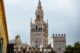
39 29
39 37
18 44
58 42
3 29
20 47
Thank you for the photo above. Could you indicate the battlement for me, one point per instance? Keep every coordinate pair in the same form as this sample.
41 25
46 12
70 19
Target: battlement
59 37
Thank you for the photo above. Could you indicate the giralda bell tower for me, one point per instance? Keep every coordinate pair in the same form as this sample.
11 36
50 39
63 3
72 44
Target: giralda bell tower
39 29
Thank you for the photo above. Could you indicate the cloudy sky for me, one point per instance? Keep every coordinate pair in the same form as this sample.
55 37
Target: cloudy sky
63 17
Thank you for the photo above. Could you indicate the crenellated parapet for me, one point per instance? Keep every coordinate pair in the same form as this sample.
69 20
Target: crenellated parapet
59 37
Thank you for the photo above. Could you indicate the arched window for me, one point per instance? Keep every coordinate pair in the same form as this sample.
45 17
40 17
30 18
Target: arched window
40 29
36 28
38 16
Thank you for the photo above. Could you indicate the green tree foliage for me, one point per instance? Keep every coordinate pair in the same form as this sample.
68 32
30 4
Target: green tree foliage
73 49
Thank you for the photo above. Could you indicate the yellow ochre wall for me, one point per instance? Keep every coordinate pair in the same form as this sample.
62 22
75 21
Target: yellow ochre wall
3 27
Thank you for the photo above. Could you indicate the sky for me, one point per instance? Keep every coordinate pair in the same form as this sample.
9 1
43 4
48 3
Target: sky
63 17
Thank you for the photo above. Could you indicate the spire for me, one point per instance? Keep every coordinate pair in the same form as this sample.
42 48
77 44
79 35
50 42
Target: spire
39 12
39 5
